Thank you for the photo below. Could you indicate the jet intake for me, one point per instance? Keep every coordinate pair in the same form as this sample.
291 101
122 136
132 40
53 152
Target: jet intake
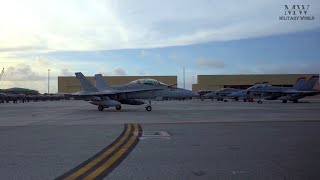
270 98
92 98
131 102
285 98
106 103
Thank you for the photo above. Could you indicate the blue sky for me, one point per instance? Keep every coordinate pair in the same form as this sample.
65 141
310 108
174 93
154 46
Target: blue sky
158 38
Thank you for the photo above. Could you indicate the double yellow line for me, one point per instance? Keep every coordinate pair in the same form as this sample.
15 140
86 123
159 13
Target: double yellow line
106 160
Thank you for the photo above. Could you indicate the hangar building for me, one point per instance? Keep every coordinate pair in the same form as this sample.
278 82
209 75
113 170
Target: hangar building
70 84
243 81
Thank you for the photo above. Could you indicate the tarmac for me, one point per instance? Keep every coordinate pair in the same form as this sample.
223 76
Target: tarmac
177 140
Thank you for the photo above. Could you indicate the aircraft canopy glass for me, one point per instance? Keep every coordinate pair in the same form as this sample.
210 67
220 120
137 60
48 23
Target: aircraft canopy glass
148 81
223 89
259 86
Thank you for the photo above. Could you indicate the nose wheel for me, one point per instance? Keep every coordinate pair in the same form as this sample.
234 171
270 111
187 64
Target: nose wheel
100 108
148 107
118 107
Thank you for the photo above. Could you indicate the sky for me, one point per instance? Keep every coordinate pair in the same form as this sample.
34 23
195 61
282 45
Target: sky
153 38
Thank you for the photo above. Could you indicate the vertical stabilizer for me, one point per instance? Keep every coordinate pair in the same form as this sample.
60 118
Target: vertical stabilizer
311 83
101 84
299 83
86 85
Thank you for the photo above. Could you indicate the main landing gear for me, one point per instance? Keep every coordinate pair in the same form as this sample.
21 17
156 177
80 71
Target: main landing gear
100 108
148 107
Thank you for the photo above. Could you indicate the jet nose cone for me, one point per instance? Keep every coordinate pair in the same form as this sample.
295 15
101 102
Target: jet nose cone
194 94
234 94
188 93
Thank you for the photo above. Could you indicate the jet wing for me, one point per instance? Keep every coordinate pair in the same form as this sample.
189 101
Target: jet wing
266 91
301 92
111 92
85 93
286 91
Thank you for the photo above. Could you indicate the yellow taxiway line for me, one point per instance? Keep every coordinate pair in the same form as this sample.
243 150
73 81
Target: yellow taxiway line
106 160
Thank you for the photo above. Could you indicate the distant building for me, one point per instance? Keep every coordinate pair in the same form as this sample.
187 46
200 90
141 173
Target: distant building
69 84
243 81
17 90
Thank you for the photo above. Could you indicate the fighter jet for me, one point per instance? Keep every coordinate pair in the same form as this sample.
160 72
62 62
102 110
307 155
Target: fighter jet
242 94
286 93
220 94
132 93
246 95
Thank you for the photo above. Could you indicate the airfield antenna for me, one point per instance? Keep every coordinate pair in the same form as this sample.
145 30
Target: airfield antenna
184 78
48 81
1 74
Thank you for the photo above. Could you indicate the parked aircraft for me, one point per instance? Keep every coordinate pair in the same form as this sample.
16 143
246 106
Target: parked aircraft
246 96
299 90
132 93
287 93
220 94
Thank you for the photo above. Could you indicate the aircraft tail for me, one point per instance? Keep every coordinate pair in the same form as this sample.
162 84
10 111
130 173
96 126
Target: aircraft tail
86 85
311 83
100 82
299 83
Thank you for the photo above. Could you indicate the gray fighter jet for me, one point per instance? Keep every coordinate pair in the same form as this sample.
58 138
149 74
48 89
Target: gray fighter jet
285 94
246 95
220 94
132 93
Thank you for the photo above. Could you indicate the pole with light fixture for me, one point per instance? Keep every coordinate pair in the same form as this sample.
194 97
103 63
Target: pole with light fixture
48 81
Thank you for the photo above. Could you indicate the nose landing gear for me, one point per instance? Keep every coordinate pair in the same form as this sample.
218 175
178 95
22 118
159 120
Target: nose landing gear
118 107
100 108
148 107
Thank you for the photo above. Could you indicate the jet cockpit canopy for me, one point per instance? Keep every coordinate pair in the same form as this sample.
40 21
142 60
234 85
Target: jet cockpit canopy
256 86
148 82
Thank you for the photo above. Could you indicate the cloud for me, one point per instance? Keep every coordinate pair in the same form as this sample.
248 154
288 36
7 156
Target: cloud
290 69
44 62
149 54
141 73
210 63
101 25
32 73
280 69
22 72
119 72
115 72
66 72
21 48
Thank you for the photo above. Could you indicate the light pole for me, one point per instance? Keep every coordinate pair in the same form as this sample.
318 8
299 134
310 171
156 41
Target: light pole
48 81
184 78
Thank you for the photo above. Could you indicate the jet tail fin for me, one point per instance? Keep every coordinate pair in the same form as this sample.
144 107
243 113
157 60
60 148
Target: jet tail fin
86 85
100 82
299 83
311 83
